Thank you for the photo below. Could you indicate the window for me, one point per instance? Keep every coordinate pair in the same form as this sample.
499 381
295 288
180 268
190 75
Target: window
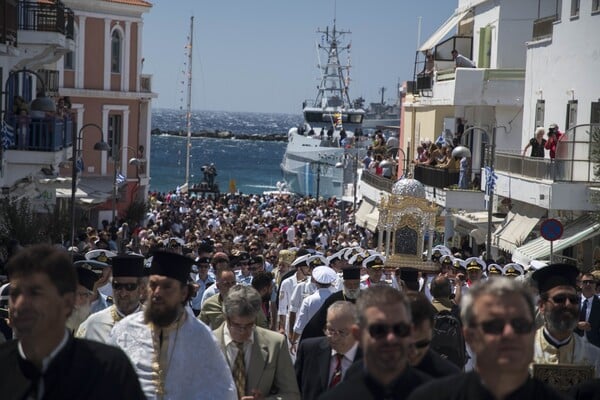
540 109
574 8
115 56
115 127
595 6
595 113
69 60
571 114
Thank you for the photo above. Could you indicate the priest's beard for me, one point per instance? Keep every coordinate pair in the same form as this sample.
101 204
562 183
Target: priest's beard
561 319
351 293
160 316
79 314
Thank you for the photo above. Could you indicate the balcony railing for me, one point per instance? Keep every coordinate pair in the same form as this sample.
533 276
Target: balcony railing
38 134
8 22
577 154
50 78
146 83
377 181
436 177
543 27
46 17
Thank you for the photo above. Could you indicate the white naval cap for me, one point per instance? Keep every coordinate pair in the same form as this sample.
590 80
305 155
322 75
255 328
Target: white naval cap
324 275
513 269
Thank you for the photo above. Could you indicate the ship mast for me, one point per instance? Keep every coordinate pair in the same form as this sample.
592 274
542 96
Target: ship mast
189 105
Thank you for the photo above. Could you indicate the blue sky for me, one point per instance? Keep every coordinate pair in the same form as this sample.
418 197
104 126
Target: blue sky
259 55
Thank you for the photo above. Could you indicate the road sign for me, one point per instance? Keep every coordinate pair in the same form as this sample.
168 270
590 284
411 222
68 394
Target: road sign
551 229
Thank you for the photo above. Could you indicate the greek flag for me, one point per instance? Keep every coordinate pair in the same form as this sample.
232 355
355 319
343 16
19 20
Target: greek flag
79 165
490 185
490 179
7 136
120 179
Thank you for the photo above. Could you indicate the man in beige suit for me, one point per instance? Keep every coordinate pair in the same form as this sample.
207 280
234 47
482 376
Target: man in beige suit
259 359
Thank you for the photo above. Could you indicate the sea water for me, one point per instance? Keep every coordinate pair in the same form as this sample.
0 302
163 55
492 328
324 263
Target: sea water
254 165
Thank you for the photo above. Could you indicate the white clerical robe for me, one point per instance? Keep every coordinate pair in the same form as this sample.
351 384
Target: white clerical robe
181 361
578 351
98 325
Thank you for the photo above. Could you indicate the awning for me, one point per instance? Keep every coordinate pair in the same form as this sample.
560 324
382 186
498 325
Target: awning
474 224
583 228
90 190
367 215
443 30
516 227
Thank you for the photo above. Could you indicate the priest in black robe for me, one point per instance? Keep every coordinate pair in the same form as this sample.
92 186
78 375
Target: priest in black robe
45 361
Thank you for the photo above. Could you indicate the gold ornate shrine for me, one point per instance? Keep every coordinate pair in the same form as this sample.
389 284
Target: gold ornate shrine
404 219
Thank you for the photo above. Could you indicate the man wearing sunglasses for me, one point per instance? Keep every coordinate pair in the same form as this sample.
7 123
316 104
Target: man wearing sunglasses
589 312
498 321
384 332
127 271
421 356
555 342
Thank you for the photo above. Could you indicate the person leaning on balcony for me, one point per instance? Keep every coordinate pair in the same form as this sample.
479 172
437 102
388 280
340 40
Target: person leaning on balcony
536 143
21 110
462 61
554 136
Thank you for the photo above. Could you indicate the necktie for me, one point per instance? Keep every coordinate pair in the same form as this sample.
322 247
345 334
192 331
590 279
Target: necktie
337 373
31 372
583 311
239 370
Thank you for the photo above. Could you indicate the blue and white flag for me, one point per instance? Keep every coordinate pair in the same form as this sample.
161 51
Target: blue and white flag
120 179
8 136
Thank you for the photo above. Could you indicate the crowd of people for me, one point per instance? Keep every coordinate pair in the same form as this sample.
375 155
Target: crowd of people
251 297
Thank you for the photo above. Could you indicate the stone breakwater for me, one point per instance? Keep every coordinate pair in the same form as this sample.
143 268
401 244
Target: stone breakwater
223 135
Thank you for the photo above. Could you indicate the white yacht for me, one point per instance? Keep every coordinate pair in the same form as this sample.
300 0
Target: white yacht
316 158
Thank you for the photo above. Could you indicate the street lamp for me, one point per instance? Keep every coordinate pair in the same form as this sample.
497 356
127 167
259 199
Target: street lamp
99 146
41 102
322 165
116 159
489 186
341 164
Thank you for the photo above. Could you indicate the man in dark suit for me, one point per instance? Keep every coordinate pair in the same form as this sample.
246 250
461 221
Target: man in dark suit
589 311
383 330
421 356
317 368
349 292
45 361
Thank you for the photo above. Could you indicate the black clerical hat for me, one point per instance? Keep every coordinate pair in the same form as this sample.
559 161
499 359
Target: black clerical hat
171 265
555 275
86 277
127 265
351 273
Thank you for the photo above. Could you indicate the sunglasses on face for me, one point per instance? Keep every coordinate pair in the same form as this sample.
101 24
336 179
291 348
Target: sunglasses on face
380 331
130 287
520 326
562 298
588 282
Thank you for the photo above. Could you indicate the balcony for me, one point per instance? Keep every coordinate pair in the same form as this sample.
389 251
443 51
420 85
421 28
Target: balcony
477 86
436 177
543 27
44 27
39 134
146 83
8 22
46 17
564 183
376 181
